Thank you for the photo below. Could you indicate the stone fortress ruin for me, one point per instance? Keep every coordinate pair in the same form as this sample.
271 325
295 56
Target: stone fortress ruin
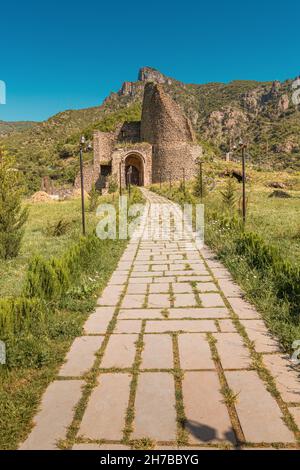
161 147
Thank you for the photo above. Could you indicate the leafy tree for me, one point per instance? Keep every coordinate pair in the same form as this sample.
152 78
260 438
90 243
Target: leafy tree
12 215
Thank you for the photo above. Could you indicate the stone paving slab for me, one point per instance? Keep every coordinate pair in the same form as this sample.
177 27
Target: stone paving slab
159 288
128 326
242 308
185 300
227 326
207 416
211 300
98 321
203 278
161 280
182 288
230 288
200 312
221 273
287 376
81 356
232 352
191 326
133 301
140 280
104 417
155 415
258 412
157 352
118 279
55 415
259 334
146 274
137 288
100 447
194 352
206 287
110 295
158 301
120 351
143 313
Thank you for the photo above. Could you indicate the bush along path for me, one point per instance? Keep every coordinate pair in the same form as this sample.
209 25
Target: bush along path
172 357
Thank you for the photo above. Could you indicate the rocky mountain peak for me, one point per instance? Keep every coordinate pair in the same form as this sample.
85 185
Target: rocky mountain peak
149 74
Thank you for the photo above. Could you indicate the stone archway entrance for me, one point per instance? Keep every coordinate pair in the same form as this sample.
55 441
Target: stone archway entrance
135 163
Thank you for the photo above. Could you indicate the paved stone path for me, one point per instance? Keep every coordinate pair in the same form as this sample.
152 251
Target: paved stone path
172 341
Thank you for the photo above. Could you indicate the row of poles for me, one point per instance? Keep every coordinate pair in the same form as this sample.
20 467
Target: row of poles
242 146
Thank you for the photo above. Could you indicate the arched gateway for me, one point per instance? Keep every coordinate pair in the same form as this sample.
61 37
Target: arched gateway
134 169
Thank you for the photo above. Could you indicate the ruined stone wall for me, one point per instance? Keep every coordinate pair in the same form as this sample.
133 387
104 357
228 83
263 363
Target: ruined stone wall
88 178
170 159
129 132
103 146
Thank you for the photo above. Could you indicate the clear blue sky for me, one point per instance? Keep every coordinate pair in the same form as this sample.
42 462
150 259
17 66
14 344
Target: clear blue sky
57 55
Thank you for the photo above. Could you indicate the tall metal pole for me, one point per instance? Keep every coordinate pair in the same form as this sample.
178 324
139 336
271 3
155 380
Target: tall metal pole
244 182
183 179
82 191
170 181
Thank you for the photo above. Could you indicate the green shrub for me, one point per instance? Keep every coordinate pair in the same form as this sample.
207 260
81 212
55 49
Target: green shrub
12 215
49 279
62 274
229 196
19 315
41 279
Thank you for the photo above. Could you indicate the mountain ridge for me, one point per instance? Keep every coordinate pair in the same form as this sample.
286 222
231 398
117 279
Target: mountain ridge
221 113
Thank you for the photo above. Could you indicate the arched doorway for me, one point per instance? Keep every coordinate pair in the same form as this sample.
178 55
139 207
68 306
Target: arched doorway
134 164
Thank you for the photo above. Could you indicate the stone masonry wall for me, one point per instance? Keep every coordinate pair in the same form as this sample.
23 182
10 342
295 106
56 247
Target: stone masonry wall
103 146
162 119
170 132
170 159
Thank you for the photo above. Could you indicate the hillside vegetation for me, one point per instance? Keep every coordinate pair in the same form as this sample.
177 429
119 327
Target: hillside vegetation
261 112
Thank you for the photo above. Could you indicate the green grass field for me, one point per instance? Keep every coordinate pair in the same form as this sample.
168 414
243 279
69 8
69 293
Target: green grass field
38 238
34 356
276 220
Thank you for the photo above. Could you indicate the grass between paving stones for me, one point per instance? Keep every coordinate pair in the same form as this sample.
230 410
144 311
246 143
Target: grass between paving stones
182 435
259 367
229 396
133 388
91 382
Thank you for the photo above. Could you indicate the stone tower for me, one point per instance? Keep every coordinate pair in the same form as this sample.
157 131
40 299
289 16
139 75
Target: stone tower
170 133
161 146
